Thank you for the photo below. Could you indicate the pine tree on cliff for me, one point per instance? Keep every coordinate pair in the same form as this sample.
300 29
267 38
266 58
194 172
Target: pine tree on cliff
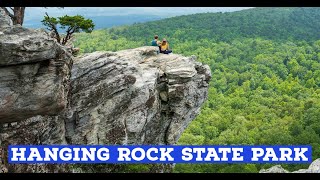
72 24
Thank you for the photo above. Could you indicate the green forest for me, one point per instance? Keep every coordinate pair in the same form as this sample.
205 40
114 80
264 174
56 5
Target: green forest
265 86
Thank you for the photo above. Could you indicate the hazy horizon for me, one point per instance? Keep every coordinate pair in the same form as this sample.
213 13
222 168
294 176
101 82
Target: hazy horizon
105 17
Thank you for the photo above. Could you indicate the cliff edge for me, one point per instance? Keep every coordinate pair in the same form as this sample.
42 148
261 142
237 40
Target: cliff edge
134 96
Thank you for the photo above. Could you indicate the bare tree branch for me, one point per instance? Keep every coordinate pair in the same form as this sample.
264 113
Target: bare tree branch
54 28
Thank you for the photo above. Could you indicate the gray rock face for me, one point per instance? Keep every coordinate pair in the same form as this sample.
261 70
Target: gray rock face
24 46
5 20
313 168
274 169
128 97
134 97
34 74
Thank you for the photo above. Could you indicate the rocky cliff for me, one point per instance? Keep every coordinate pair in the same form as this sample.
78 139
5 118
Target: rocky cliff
34 73
313 168
133 96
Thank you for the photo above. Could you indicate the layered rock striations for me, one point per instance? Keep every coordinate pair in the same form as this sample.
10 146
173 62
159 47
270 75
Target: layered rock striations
34 73
134 97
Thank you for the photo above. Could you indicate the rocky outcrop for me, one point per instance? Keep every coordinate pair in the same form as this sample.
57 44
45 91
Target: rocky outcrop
4 19
133 96
274 169
126 97
313 168
34 73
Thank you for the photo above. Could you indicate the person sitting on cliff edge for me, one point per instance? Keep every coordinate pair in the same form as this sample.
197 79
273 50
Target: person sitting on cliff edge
156 42
164 47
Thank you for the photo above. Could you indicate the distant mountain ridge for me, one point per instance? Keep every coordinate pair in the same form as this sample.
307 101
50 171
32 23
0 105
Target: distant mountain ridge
103 21
105 17
270 23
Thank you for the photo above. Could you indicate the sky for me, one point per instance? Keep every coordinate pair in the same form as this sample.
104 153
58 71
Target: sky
34 15
36 12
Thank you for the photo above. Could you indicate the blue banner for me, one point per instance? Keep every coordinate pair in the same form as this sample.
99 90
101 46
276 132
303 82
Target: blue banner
18 154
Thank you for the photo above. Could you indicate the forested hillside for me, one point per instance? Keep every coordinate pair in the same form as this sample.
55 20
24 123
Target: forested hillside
265 64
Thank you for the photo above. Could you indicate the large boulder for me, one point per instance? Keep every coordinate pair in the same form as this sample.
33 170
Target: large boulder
274 169
34 74
134 97
5 20
313 168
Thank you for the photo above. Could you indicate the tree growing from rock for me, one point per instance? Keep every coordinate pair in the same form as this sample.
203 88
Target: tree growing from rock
72 24
15 13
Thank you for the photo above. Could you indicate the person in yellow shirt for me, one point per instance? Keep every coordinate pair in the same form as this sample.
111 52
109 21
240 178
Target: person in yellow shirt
164 47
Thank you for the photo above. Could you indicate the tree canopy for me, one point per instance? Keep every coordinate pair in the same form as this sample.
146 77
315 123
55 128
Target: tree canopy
265 86
72 24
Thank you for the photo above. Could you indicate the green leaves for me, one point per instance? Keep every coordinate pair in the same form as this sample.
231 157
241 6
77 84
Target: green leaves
48 21
265 64
73 24
76 23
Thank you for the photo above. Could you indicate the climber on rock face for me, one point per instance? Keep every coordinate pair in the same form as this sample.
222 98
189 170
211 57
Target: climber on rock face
164 47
